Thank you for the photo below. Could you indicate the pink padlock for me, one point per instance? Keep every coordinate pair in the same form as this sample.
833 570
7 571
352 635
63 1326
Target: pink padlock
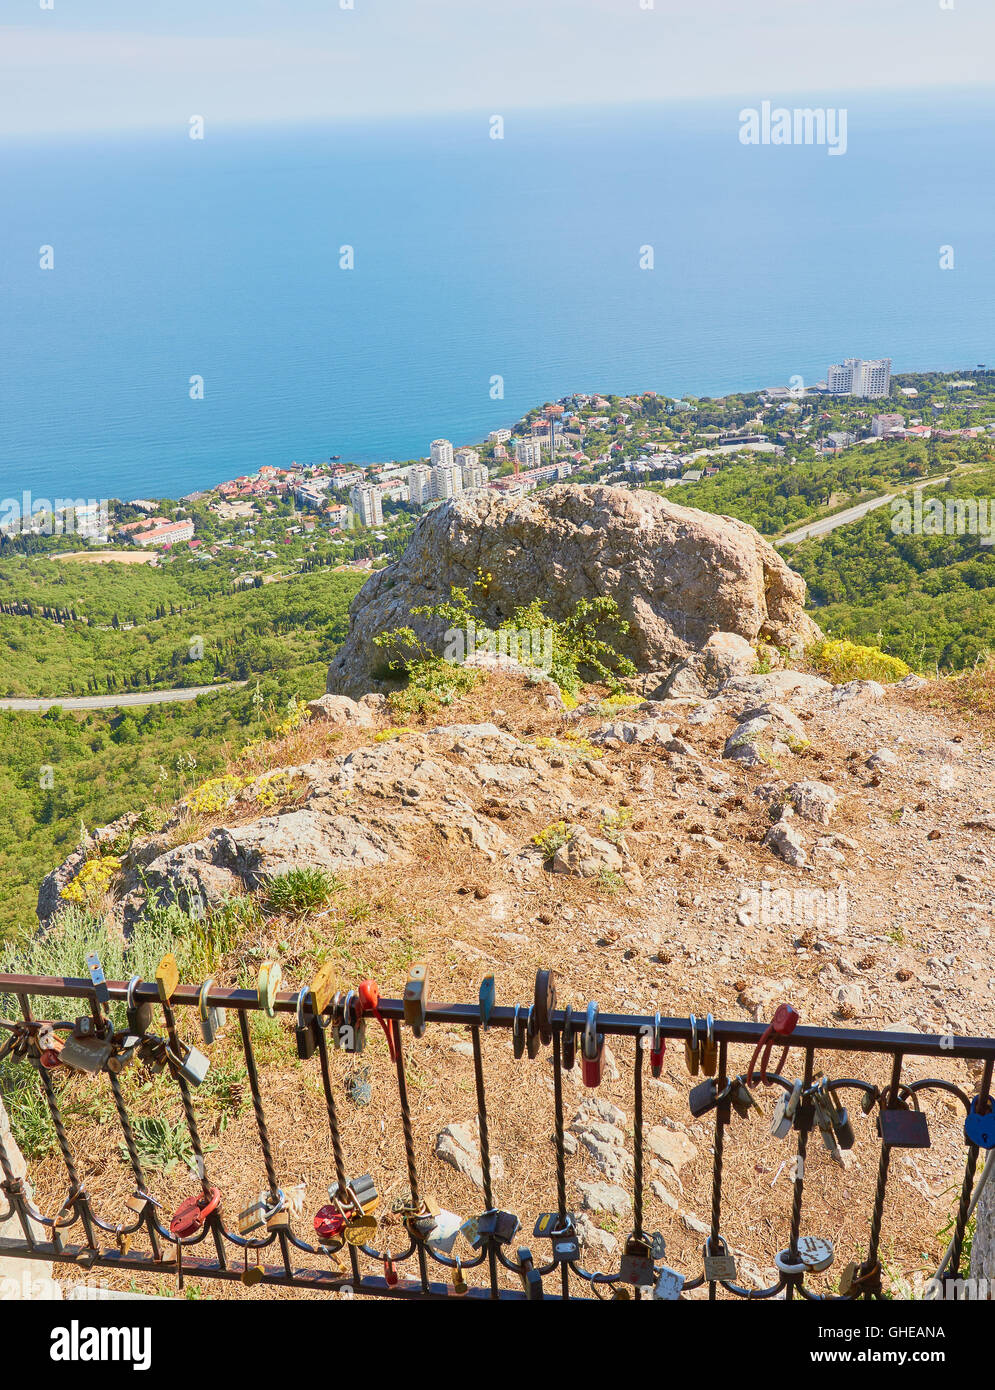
592 1052
658 1046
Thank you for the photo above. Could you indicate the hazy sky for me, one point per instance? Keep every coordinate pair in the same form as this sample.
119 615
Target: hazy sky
118 64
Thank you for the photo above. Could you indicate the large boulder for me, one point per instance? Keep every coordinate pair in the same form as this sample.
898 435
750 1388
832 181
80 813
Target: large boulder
678 575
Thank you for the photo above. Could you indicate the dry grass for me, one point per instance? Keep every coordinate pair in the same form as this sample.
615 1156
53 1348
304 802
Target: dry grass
466 918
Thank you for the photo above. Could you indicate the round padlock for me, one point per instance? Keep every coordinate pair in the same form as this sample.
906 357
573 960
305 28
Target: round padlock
545 1003
329 1224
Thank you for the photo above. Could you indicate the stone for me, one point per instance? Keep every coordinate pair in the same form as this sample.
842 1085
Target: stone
678 575
339 709
785 840
671 1146
457 1145
585 856
604 1197
814 801
592 1237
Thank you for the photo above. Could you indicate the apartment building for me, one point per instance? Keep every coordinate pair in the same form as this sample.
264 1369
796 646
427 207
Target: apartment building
441 453
855 377
172 533
367 504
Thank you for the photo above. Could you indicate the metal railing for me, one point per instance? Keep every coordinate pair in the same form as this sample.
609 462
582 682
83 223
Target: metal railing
199 1239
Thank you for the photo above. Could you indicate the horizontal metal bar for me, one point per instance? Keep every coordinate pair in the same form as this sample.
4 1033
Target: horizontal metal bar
81 1257
615 1025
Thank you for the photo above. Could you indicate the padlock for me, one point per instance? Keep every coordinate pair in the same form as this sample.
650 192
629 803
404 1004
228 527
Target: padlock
98 980
261 1212
979 1126
784 1112
323 987
562 1232
270 979
459 1285
190 1215
140 1016
568 1039
212 1017
704 1097
152 1053
415 998
815 1253
499 1226
742 1098
692 1049
306 1027
658 1046
869 1099
488 993
390 1274
518 1034
193 1065
636 1266
329 1224
85 1049
544 1001
709 1049
592 1052
901 1128
360 1195
842 1125
352 1029
668 1284
532 1038
369 1003
531 1278
360 1229
720 1266
123 1054
167 977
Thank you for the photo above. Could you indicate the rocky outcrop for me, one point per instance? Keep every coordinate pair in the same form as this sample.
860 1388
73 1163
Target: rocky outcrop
680 577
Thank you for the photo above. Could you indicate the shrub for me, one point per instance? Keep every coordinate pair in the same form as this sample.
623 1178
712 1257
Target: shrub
301 890
92 881
841 661
554 837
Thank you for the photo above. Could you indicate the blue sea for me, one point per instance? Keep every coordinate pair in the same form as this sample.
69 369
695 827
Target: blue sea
474 258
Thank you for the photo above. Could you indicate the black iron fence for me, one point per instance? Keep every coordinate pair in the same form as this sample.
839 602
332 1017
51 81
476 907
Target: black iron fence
201 1238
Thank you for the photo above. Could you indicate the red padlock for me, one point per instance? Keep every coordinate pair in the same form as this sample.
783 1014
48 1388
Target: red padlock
369 999
390 1273
190 1215
658 1046
329 1223
592 1051
784 1022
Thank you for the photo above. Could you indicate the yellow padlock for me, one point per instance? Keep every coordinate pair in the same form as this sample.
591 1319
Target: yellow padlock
167 977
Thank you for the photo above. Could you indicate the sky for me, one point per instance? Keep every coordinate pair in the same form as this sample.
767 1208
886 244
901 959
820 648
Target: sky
114 65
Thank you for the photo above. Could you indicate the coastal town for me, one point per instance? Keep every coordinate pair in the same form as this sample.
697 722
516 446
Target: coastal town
646 439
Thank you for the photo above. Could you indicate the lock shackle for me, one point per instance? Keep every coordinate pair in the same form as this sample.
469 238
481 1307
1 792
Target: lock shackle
590 1043
202 1006
694 1033
133 984
709 1030
301 1002
657 1036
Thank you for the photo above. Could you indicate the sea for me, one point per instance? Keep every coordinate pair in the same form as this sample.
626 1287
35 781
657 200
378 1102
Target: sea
277 294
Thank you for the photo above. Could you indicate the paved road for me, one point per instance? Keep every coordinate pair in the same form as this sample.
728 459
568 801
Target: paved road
830 523
141 697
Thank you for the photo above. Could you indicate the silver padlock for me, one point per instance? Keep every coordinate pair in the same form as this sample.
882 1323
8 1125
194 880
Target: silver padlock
193 1066
212 1017
84 1049
785 1111
669 1284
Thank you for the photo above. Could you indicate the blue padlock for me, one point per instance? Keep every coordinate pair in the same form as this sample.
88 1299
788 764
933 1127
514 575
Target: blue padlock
980 1129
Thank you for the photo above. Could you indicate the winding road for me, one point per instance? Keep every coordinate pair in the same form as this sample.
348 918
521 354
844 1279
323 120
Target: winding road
830 523
140 697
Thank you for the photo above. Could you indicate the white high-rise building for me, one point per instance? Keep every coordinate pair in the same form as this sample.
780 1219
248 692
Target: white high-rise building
855 377
447 481
474 475
419 484
466 457
441 451
367 505
528 452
